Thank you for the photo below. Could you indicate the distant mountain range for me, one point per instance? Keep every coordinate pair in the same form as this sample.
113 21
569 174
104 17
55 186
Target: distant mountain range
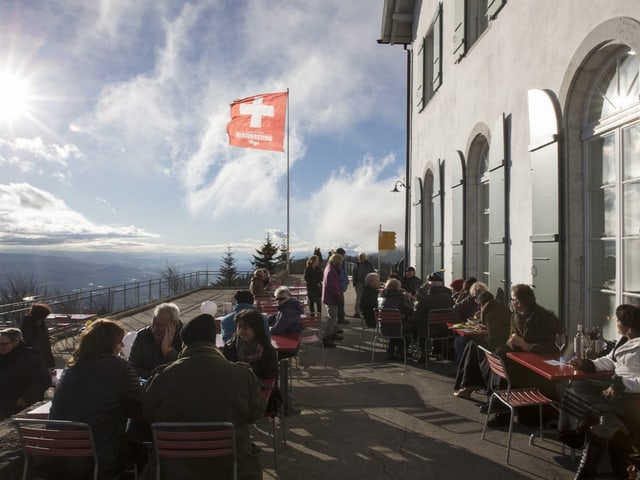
64 272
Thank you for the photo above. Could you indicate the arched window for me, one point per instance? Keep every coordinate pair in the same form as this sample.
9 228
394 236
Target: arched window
479 211
611 146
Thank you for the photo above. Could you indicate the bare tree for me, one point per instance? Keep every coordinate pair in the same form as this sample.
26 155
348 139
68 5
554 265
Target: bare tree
175 281
18 288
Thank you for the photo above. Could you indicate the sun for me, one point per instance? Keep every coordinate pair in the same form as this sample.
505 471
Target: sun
14 97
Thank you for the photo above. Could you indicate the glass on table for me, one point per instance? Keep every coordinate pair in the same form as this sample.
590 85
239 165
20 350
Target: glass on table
561 342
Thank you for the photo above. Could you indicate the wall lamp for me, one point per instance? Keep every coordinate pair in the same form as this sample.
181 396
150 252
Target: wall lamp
395 187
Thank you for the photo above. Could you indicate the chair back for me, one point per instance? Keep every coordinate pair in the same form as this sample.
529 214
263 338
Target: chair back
389 322
55 438
187 440
496 364
310 322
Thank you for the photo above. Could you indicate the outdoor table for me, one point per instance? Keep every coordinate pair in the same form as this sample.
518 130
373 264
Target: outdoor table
41 412
548 366
288 345
468 331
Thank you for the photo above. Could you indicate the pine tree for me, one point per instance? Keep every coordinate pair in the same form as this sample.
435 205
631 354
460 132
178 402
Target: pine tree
228 271
266 254
282 257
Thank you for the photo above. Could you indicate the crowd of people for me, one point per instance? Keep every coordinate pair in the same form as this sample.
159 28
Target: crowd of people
120 397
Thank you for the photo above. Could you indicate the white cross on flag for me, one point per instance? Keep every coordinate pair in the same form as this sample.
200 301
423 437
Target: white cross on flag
258 122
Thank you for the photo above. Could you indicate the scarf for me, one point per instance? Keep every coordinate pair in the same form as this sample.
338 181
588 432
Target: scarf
248 352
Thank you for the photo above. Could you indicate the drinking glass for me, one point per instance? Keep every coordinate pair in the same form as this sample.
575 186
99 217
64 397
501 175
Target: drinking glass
561 342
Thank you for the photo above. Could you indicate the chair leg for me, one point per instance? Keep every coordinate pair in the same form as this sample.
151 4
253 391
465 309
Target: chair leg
486 419
373 347
404 351
506 460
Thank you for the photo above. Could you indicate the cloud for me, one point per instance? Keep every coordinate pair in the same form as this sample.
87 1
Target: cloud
31 216
29 154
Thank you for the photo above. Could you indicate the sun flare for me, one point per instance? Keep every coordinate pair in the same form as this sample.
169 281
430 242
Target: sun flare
14 97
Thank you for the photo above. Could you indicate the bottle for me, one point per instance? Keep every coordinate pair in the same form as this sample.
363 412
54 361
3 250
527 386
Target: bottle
578 343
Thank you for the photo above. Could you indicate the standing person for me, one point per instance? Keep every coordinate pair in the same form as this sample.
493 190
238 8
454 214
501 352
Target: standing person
411 283
369 299
313 277
23 377
318 254
36 335
103 390
331 297
158 343
203 386
360 271
344 284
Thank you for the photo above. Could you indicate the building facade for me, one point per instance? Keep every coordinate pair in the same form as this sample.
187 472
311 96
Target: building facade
525 147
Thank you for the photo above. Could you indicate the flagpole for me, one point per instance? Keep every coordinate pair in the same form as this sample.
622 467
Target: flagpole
288 251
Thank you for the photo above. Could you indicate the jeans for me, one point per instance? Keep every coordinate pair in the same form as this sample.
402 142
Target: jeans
332 319
359 290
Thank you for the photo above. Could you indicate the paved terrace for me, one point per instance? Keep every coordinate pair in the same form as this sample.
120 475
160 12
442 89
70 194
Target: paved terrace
355 419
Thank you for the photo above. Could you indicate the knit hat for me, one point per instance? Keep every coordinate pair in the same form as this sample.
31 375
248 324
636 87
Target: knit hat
457 284
436 277
199 329
243 296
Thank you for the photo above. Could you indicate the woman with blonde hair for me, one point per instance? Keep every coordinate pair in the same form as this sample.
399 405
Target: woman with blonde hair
102 389
313 278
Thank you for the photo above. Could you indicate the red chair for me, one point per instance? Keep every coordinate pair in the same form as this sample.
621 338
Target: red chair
189 440
389 326
55 438
512 398
438 318
310 334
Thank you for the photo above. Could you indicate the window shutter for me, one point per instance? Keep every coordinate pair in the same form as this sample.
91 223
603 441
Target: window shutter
416 191
458 216
437 206
437 49
419 74
493 7
544 151
459 28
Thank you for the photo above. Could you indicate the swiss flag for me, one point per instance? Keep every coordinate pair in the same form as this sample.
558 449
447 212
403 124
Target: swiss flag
258 122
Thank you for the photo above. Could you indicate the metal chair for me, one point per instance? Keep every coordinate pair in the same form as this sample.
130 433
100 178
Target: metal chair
309 336
269 386
189 440
438 317
389 326
55 438
512 398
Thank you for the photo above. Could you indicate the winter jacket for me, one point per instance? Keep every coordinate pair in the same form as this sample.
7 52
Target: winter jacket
624 359
36 335
368 304
331 292
264 368
146 354
360 271
313 277
22 375
497 318
538 327
228 324
287 320
203 386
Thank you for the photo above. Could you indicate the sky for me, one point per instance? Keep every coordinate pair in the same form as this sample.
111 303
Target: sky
113 121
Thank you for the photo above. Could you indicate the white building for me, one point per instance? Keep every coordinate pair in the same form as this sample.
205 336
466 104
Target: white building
524 160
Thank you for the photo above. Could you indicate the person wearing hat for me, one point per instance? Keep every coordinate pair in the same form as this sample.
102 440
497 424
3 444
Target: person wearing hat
431 296
244 301
411 283
203 386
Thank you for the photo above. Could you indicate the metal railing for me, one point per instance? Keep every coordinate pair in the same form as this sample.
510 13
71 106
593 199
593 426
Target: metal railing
109 300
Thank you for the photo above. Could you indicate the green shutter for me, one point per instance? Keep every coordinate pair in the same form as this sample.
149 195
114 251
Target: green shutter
419 77
437 49
458 215
544 151
437 206
416 191
498 234
459 28
494 6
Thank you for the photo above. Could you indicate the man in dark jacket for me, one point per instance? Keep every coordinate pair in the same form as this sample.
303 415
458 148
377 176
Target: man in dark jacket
23 378
431 296
203 386
158 343
360 271
411 283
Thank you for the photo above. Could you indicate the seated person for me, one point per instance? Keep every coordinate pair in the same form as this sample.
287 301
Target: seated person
393 296
410 283
456 289
369 299
472 369
244 300
101 389
257 284
287 319
158 343
433 295
23 377
251 345
595 411
203 386
467 307
36 334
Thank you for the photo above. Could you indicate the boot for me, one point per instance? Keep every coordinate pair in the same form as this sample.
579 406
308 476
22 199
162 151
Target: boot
591 455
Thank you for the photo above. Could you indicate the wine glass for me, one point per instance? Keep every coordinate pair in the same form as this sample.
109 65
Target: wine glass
561 342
